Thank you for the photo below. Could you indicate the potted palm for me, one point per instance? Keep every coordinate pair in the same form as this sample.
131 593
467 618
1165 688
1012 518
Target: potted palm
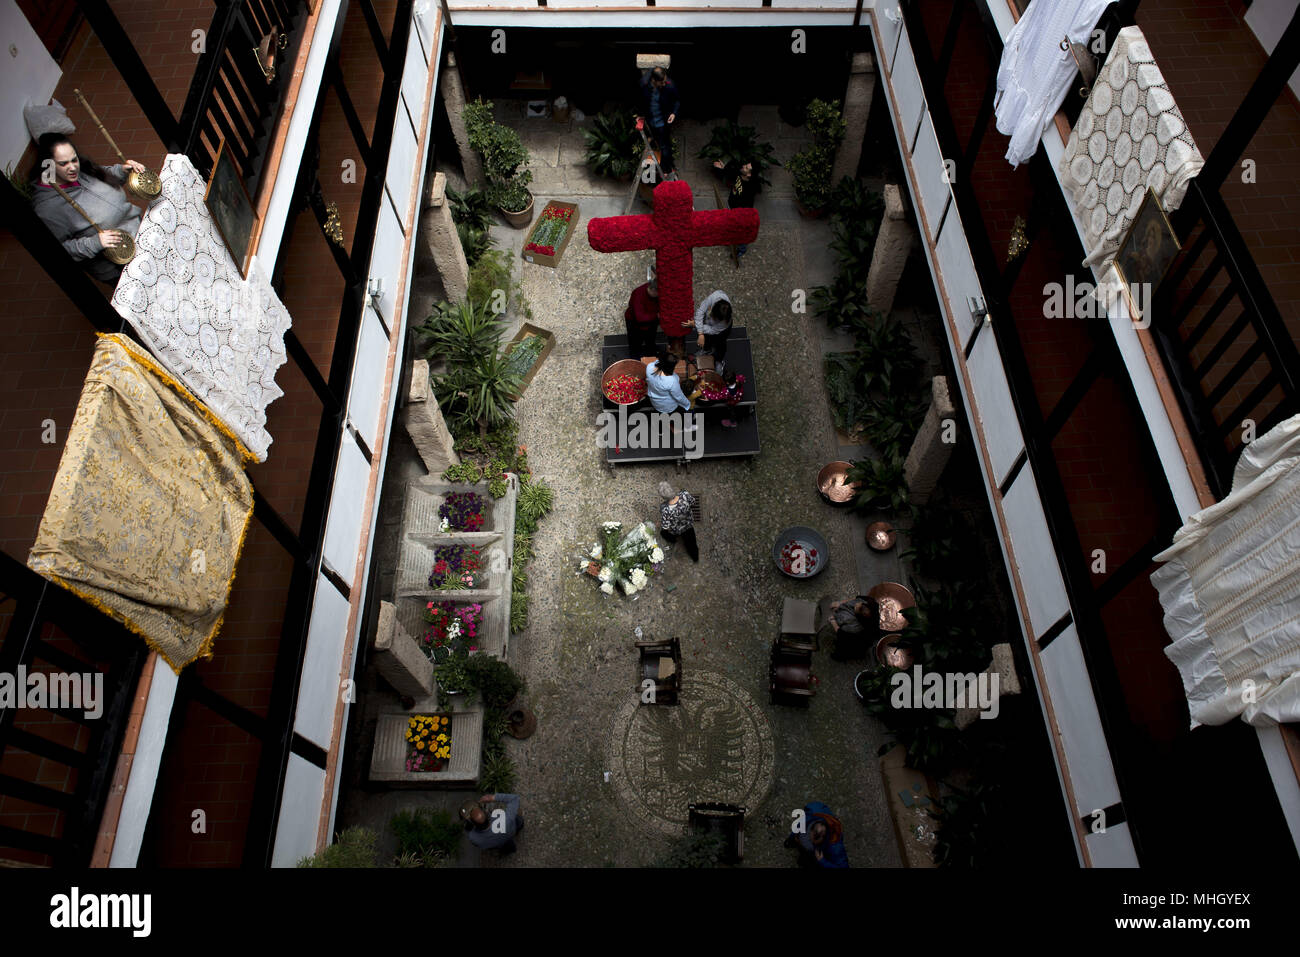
733 143
613 145
503 154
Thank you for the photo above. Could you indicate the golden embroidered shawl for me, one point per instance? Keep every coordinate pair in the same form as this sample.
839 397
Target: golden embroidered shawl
149 508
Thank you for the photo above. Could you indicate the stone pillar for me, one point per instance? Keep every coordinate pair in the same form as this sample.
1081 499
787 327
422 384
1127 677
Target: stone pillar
1004 666
893 244
933 444
438 233
398 657
424 423
453 98
857 106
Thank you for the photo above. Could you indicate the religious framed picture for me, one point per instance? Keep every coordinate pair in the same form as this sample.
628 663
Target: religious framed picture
1146 254
230 205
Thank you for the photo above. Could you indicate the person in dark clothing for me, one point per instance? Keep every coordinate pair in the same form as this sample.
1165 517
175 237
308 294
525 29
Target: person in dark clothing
853 627
713 326
677 520
743 185
659 106
642 318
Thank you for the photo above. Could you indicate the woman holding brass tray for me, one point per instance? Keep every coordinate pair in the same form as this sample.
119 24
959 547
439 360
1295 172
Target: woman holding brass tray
84 206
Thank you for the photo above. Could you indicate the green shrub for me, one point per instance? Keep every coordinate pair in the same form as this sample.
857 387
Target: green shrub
430 834
494 679
471 208
466 472
694 850
480 392
518 611
460 333
733 143
498 773
613 144
535 500
810 168
503 153
353 847
882 485
494 288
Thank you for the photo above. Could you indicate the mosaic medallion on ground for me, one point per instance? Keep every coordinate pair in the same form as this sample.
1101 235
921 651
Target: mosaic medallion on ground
716 745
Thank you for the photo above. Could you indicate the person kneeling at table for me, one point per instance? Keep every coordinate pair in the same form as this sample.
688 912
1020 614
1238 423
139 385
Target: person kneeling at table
713 326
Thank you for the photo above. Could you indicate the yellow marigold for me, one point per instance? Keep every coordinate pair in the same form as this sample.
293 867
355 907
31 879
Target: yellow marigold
419 745
442 737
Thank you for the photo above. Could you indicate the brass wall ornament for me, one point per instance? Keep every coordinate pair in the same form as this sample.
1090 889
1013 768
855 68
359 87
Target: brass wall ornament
266 51
1019 241
144 184
333 225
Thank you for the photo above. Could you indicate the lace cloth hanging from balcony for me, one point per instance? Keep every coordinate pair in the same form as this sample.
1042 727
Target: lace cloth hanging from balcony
1035 73
220 334
1130 135
1230 588
149 507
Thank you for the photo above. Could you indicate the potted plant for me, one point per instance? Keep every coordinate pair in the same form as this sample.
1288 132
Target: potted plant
453 676
503 153
613 145
810 168
733 143
471 211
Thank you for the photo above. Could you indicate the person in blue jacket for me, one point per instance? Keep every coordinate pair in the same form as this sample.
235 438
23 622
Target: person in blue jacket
821 842
659 105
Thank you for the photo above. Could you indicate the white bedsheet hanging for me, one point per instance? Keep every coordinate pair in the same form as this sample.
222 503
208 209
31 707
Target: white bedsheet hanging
1230 589
1035 73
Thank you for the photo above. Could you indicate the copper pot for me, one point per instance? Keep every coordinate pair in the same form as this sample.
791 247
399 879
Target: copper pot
833 484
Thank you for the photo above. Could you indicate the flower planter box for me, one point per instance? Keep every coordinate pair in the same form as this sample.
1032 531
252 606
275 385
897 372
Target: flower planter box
493 631
388 760
553 258
530 331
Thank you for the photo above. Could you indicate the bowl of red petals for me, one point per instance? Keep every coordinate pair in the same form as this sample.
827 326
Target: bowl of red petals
624 382
800 552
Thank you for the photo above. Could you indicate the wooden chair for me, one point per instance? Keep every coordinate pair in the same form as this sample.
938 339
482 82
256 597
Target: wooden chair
790 677
661 663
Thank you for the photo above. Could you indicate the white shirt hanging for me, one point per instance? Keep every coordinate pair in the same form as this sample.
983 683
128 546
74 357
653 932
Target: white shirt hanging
1035 73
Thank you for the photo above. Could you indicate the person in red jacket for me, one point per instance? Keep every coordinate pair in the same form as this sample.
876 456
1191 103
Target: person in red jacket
642 317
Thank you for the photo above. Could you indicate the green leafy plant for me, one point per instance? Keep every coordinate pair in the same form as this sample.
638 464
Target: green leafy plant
535 500
480 392
495 680
460 333
498 773
426 833
942 543
474 242
20 183
844 301
353 847
613 144
494 288
697 849
503 153
733 143
453 675
470 208
882 485
466 472
497 487
966 838
810 168
518 611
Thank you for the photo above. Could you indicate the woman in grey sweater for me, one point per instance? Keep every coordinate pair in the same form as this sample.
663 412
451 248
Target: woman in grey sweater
96 190
713 326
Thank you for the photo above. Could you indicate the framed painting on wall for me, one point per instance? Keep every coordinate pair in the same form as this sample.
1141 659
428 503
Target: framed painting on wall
231 207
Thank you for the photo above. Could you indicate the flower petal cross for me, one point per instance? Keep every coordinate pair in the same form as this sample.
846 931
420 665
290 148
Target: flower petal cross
672 231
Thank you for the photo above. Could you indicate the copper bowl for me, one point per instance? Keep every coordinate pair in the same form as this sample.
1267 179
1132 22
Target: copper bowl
631 367
833 484
712 381
892 598
892 655
881 536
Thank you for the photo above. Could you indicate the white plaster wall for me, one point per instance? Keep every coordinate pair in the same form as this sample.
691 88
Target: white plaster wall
386 257
1267 19
28 76
320 688
958 270
931 181
364 401
1035 555
143 779
996 412
1112 847
907 87
398 183
343 529
295 835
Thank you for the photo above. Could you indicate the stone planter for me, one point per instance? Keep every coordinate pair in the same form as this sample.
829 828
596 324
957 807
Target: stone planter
522 218
388 760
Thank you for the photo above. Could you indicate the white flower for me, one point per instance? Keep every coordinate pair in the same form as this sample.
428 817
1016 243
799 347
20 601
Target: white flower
596 553
629 588
453 630
605 574
607 588
657 555
611 526
638 578
444 525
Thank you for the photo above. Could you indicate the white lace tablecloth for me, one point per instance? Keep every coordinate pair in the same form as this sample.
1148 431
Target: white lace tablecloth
1130 135
218 333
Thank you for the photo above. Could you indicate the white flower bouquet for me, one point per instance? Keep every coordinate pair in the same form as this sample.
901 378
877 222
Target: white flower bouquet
622 560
